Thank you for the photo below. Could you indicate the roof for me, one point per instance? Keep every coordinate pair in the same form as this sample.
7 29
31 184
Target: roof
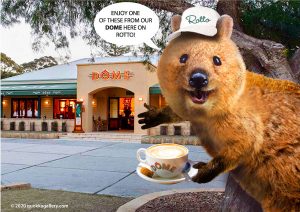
68 71
155 89
39 89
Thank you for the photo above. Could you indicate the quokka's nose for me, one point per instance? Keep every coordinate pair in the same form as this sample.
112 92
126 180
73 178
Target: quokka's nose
198 79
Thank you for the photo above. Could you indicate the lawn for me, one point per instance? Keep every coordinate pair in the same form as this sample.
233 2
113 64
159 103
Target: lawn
30 199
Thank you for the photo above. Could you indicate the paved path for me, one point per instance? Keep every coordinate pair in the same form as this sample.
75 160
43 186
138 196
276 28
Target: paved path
84 166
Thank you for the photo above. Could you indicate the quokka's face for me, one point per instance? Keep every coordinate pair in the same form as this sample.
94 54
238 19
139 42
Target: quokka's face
200 75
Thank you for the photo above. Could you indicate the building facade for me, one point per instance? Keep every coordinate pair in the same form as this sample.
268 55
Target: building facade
113 91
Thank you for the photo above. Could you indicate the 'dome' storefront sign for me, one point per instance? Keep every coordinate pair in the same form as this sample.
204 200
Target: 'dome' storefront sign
111 75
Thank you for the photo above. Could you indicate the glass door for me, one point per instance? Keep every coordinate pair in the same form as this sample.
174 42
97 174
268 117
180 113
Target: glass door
113 114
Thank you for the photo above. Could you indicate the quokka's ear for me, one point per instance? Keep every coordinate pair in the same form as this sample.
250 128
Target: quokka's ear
225 26
175 22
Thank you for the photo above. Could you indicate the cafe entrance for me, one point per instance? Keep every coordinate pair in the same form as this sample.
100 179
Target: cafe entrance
113 109
121 113
113 93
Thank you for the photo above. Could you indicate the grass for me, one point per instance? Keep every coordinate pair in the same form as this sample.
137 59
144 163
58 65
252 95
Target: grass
11 199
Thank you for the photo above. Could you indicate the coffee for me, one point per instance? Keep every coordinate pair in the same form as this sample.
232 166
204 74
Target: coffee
167 151
166 160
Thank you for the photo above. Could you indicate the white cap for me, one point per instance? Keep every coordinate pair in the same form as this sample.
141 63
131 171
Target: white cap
201 20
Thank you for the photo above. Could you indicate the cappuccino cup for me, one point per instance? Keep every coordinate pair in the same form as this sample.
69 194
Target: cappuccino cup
166 160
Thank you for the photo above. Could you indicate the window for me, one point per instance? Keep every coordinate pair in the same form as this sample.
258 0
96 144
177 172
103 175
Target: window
25 108
157 100
64 108
126 106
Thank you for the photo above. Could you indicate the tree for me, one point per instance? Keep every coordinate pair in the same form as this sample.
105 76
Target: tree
272 20
9 65
58 20
278 21
39 63
114 50
10 68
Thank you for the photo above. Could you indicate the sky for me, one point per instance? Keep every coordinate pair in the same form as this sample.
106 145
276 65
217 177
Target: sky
16 42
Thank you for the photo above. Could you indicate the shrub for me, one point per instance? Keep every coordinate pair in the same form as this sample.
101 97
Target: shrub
163 130
44 126
32 126
64 127
12 125
177 130
54 126
22 126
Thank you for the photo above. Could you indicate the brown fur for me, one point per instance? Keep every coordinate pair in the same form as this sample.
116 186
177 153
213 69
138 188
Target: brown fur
249 124
176 19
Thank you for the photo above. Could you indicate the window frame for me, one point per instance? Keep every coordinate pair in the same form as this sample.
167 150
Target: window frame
25 107
62 99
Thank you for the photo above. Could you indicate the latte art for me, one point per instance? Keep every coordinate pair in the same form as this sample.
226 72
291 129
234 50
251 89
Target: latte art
165 160
167 151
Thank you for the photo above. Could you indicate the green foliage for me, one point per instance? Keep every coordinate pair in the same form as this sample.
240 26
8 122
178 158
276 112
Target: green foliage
114 50
10 68
49 19
58 20
22 126
273 20
39 63
12 125
6 74
32 126
54 126
44 126
64 127
7 64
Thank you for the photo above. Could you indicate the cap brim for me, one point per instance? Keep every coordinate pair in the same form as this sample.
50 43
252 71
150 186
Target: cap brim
202 30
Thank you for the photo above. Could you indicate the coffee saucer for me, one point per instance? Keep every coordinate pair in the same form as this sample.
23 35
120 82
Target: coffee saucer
157 179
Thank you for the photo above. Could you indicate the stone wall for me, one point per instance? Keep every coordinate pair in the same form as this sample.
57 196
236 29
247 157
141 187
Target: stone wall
185 129
30 134
38 123
160 139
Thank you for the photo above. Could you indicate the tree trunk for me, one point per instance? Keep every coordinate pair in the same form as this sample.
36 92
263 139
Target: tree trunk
175 6
264 56
231 8
236 199
269 54
295 64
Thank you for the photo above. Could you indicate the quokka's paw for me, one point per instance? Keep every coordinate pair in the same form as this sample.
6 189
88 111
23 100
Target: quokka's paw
150 118
204 174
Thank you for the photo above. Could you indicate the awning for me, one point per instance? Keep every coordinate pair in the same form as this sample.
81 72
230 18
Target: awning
39 89
155 89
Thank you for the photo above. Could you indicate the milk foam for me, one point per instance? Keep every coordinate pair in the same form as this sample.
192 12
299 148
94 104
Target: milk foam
167 152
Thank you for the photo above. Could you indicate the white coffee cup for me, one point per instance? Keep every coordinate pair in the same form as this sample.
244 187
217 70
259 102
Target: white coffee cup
166 160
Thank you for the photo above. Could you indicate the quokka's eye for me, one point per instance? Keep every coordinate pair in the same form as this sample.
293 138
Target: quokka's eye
183 58
217 61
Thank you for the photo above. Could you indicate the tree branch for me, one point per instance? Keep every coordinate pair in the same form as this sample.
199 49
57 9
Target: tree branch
175 6
231 7
295 64
269 54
